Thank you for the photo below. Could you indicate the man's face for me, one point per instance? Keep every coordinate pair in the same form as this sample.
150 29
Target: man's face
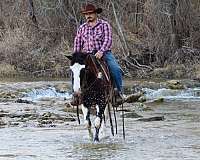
91 17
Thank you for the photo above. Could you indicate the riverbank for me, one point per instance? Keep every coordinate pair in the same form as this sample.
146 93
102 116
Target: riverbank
168 72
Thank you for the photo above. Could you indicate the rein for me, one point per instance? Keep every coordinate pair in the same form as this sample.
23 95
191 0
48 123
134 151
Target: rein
92 61
90 86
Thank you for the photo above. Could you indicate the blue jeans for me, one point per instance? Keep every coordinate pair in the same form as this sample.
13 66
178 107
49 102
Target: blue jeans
115 70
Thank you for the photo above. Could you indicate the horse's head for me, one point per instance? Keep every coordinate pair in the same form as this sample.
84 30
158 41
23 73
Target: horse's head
77 64
87 67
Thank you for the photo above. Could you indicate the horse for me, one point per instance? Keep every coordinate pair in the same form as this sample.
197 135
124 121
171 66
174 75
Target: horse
91 86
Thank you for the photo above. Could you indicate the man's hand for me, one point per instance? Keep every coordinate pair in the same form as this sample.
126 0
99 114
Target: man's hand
98 55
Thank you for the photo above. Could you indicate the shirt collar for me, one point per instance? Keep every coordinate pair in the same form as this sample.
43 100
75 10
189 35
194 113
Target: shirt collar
98 22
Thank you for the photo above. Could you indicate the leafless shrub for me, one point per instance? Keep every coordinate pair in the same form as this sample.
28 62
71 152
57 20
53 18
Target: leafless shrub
147 33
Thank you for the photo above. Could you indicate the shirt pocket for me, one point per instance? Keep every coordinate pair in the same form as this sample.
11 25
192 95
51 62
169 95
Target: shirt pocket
98 35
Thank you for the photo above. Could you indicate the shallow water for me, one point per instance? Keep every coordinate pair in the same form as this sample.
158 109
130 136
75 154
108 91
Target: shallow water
175 138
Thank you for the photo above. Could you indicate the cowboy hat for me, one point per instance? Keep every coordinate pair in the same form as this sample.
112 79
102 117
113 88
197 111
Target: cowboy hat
89 8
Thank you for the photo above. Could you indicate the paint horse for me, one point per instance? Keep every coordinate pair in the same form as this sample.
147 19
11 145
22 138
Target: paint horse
91 87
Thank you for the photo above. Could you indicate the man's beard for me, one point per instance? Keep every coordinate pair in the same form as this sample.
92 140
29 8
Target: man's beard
89 19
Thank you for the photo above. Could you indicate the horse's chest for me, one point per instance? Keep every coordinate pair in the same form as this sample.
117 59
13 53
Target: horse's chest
93 97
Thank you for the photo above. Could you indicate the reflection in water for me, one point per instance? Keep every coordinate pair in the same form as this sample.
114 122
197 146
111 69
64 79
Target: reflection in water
97 151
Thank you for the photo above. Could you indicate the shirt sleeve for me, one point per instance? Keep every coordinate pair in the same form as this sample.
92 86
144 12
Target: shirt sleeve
107 39
78 41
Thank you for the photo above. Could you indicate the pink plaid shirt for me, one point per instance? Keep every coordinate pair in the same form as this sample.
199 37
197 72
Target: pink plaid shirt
97 38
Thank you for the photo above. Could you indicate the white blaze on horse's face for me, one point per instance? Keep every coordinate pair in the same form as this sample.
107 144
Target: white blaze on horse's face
76 69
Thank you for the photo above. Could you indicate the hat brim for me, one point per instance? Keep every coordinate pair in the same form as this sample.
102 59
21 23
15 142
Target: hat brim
98 11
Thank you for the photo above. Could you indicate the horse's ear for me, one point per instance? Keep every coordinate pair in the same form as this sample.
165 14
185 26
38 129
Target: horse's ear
69 57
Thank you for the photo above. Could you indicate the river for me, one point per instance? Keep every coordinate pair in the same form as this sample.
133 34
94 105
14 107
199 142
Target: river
25 136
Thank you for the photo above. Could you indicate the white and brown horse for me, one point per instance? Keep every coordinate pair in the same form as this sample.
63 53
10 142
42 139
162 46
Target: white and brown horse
91 87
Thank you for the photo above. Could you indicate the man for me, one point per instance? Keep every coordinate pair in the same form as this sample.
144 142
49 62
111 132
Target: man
96 35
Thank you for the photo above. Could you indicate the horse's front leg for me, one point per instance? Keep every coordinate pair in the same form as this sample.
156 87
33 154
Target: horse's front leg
87 121
98 120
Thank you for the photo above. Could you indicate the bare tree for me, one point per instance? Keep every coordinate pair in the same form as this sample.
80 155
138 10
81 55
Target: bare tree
31 12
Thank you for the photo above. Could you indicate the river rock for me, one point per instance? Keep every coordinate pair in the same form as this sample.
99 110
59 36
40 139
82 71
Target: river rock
23 101
156 118
175 84
46 117
158 100
45 122
3 113
21 115
62 88
131 115
133 97
7 95
142 99
2 123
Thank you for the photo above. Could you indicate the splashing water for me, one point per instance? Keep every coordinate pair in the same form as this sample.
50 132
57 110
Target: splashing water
50 92
169 94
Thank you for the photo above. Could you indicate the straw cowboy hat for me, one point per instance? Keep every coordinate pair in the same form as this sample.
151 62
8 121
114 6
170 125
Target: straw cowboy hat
89 8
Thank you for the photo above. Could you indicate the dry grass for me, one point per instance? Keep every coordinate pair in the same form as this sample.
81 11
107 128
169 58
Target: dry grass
139 31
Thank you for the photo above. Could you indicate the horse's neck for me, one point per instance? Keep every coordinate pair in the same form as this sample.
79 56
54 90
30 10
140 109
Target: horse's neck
91 63
97 66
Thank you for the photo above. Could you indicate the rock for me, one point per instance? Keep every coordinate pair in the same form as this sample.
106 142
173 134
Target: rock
133 97
40 125
14 123
15 115
131 115
27 115
23 101
9 94
62 88
3 113
147 109
158 100
128 90
47 117
142 99
2 123
142 107
45 122
69 119
21 115
156 118
175 84
47 114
